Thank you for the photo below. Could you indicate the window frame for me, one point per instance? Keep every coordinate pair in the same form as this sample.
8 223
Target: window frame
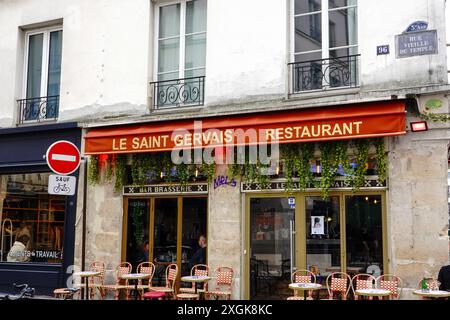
325 16
45 58
182 36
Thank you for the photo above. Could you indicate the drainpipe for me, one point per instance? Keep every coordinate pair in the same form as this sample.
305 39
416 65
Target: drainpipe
83 239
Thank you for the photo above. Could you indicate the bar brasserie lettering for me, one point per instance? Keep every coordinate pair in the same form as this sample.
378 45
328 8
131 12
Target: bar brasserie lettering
166 189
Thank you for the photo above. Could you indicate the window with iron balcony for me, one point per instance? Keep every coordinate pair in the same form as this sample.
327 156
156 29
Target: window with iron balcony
325 45
180 52
42 76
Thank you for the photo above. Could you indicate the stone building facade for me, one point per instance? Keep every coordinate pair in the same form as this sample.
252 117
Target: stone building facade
110 55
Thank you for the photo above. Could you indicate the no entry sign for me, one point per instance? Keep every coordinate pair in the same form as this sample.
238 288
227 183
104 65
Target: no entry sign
63 157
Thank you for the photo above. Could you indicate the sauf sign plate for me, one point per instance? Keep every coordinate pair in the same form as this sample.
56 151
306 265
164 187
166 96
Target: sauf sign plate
61 185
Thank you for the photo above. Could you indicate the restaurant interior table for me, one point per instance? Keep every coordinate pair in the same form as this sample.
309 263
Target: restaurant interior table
379 293
305 287
195 280
135 277
436 294
86 275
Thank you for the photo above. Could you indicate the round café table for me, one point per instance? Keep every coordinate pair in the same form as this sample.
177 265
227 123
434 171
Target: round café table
432 293
86 275
135 277
305 287
195 280
380 293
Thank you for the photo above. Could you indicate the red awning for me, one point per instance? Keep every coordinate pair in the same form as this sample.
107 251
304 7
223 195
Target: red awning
365 120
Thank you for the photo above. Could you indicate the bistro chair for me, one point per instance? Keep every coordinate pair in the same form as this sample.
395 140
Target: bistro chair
224 284
170 285
121 284
362 281
431 283
197 270
96 282
392 283
143 267
338 283
302 276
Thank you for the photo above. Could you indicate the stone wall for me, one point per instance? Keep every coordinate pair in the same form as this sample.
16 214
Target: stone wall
224 230
417 206
103 227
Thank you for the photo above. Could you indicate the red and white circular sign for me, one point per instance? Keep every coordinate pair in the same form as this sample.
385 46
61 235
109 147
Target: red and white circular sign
63 157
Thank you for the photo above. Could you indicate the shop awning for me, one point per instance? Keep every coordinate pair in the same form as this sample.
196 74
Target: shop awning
365 120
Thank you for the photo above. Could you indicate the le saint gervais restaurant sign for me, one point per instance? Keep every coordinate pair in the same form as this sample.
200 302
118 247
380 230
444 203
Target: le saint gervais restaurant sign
378 119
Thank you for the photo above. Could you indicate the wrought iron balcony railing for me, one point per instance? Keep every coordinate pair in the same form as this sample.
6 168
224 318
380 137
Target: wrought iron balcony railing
38 109
325 74
179 92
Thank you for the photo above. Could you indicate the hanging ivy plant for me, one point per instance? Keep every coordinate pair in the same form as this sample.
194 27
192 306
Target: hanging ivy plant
303 166
362 157
109 168
93 170
289 155
183 173
329 169
141 166
121 172
234 170
382 160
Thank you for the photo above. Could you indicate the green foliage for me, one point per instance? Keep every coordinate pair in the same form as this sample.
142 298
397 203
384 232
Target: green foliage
121 172
382 160
109 169
362 157
303 165
93 170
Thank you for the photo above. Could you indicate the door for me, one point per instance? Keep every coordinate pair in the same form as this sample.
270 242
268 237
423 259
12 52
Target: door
272 254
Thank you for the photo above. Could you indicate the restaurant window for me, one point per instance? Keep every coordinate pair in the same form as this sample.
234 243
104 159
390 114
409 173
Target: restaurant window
323 237
181 52
42 75
325 33
364 233
32 221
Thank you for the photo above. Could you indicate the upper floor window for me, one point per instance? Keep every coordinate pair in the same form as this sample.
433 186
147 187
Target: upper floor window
42 75
181 53
325 44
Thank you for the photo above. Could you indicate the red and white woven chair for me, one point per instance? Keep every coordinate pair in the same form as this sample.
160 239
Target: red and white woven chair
302 276
198 270
392 283
170 285
121 284
144 267
96 282
338 283
362 281
224 284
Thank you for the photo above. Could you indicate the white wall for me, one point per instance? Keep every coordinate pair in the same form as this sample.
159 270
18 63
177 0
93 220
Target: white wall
105 61
107 50
379 22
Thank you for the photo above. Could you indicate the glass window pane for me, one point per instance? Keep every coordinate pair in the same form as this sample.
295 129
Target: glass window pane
323 244
194 73
169 21
195 51
364 233
169 53
34 73
33 219
308 33
270 239
196 16
194 226
137 231
341 3
343 28
54 64
305 6
165 236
